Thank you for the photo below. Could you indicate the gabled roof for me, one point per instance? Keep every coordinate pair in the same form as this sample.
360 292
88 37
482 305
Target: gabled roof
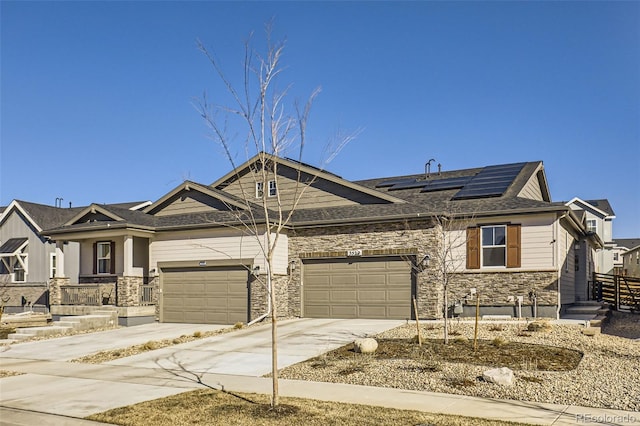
187 186
601 207
40 216
304 168
627 243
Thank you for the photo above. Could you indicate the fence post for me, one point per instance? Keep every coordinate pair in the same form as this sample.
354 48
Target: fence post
616 286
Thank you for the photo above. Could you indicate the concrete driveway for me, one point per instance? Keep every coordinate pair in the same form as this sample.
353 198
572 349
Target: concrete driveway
53 385
248 352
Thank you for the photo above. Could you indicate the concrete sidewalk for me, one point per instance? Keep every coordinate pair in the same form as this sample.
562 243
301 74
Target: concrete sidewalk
102 387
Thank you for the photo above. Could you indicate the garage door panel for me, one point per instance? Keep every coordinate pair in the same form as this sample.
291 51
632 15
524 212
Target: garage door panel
347 311
209 295
362 288
372 296
373 312
344 296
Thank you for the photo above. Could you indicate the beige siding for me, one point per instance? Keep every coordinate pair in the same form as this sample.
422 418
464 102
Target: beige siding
320 193
223 244
567 267
536 241
532 189
86 255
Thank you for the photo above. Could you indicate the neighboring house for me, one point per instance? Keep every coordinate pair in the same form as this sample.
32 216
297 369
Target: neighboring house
28 260
622 245
598 219
352 249
631 262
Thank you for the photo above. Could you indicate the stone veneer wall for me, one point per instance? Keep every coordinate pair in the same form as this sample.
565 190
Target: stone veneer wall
34 293
409 240
495 287
55 294
128 289
258 296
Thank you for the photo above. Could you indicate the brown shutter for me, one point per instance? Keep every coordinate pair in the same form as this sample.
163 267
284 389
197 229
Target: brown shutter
513 246
473 248
95 258
113 257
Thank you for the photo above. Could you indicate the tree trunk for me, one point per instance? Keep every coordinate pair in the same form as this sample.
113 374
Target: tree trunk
446 317
275 400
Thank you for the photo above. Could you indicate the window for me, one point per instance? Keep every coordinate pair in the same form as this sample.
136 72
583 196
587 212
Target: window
19 275
494 247
615 256
103 258
273 190
52 265
592 225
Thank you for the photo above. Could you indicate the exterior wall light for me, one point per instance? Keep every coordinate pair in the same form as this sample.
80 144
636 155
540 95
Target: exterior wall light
256 270
425 261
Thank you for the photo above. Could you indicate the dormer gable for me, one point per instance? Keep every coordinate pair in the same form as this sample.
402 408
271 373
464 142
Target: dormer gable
191 197
94 213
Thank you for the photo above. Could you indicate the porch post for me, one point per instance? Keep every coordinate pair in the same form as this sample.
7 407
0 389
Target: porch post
60 259
128 256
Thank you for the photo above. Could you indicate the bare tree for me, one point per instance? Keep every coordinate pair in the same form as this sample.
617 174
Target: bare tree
274 130
448 256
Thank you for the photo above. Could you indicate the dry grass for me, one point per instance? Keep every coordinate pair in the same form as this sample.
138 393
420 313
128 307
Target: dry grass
7 373
220 408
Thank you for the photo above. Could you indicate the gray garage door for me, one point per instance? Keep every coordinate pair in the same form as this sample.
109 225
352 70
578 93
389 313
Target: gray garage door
357 288
204 295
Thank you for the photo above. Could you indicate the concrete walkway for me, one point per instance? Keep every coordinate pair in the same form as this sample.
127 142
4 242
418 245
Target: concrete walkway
59 392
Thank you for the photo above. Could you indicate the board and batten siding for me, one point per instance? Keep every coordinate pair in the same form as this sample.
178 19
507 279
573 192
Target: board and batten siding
38 252
536 241
190 202
320 193
215 245
532 189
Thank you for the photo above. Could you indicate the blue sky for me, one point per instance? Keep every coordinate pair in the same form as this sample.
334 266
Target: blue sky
97 97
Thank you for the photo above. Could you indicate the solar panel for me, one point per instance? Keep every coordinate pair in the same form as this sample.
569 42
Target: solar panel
408 185
444 184
491 181
388 183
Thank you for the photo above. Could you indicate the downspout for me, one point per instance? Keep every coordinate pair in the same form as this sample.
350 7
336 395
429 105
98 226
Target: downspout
261 317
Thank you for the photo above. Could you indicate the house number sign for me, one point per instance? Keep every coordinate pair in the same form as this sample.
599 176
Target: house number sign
354 253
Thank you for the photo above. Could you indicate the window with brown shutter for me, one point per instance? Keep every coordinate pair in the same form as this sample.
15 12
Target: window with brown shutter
473 248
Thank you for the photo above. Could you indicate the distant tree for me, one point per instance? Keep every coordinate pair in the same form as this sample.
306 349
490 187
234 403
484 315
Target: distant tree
273 130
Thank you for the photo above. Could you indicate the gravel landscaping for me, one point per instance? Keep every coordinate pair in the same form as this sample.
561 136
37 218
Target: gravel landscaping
608 376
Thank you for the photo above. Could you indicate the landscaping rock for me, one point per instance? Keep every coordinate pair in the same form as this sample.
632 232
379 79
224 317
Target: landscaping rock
365 346
500 376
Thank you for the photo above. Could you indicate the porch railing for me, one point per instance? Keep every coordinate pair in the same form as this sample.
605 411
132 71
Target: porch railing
87 294
146 295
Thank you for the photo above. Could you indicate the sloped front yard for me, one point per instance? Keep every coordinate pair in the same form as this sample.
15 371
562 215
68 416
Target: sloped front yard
561 366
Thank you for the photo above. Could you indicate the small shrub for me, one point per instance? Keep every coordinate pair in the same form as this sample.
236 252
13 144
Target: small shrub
238 325
460 339
541 326
414 339
496 327
357 364
454 332
150 346
524 333
529 364
499 342
176 341
197 334
430 327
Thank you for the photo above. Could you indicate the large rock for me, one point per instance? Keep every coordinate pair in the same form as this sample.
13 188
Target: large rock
500 376
365 346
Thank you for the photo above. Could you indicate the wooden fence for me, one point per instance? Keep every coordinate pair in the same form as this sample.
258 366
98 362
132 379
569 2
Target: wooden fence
619 291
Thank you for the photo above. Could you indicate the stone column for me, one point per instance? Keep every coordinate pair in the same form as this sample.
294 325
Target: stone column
55 293
128 289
